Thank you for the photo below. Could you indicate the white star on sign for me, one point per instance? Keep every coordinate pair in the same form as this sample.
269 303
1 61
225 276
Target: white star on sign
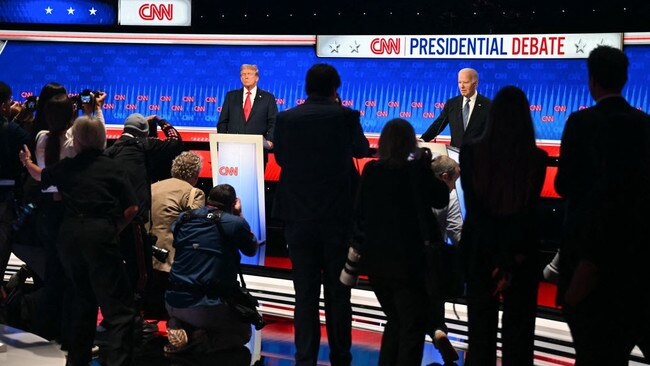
48 10
334 47
580 46
93 11
70 11
355 48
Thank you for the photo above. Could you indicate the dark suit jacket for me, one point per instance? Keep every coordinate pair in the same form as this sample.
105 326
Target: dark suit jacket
604 175
261 121
452 114
314 144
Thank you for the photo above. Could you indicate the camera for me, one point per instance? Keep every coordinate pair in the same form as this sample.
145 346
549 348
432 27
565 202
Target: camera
22 212
85 97
160 254
350 272
30 103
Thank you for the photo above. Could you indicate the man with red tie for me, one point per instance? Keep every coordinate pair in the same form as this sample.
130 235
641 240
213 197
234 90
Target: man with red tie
249 110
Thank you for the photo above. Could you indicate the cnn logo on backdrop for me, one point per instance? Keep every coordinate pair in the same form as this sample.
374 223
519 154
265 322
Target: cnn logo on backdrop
148 12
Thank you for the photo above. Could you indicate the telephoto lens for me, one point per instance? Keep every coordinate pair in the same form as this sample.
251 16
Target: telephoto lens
350 272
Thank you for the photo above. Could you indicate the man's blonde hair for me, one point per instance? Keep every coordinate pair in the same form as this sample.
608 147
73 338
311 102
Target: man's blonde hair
251 67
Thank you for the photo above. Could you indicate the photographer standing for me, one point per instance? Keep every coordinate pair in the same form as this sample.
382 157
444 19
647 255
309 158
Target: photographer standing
98 202
138 155
393 210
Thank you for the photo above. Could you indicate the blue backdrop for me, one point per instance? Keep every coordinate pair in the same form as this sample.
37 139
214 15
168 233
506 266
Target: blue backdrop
187 84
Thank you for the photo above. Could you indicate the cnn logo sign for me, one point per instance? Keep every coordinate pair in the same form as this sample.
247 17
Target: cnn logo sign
228 171
380 46
156 11
148 12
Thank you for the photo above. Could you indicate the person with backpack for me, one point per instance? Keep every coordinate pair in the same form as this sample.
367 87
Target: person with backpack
203 277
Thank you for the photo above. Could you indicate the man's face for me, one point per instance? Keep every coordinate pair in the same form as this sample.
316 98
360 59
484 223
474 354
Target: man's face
466 84
248 78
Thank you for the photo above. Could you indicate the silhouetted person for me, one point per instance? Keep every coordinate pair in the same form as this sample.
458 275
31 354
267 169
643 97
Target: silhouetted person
502 176
396 195
605 253
314 199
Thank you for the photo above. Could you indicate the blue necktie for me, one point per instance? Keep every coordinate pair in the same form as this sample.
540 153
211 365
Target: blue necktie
466 114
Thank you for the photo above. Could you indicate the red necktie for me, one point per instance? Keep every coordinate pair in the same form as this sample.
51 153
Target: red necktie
247 106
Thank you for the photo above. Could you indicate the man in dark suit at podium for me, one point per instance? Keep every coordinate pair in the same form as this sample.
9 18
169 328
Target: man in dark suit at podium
466 113
314 144
249 110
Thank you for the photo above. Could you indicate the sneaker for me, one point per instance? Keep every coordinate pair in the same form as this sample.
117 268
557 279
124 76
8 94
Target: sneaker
442 343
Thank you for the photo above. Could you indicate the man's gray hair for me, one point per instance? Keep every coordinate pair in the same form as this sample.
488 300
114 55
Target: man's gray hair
88 133
443 164
187 166
472 72
250 66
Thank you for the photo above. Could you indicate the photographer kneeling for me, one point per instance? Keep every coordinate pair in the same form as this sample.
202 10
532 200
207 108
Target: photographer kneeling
204 275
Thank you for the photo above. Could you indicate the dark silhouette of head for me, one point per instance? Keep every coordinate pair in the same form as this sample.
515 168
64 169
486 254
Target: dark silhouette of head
396 142
607 67
322 81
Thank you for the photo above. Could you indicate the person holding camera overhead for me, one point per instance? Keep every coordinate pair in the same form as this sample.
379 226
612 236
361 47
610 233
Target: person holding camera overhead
98 202
53 145
393 211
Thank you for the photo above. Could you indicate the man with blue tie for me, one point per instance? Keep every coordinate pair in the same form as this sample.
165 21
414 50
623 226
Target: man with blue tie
466 114
249 110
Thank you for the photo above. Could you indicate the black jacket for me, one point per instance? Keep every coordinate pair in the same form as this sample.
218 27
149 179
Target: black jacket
314 144
452 114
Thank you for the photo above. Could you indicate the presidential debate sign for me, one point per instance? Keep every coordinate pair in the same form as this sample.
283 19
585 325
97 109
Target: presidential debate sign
519 46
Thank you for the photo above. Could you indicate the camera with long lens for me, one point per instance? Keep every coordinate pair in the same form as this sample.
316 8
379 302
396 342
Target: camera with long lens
350 272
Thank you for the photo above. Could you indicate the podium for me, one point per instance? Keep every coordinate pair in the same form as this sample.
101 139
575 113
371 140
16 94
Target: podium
238 160
436 148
